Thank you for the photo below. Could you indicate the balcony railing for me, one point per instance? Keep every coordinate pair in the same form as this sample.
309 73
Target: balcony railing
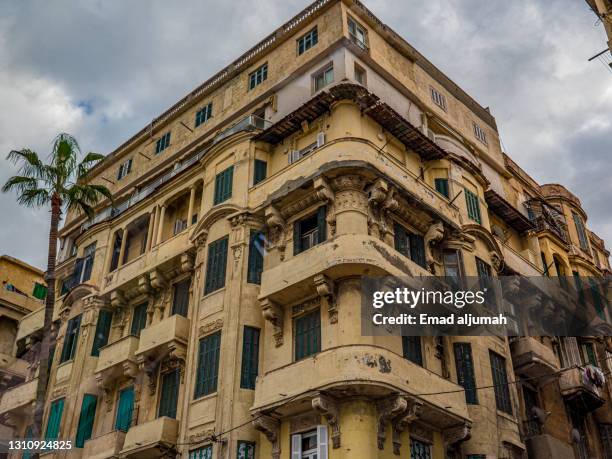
151 439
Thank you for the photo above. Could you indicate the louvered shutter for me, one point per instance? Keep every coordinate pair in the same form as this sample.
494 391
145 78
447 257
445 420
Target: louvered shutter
78 271
180 303
322 223
417 249
401 240
124 409
296 446
86 420
465 371
169 394
321 442
55 419
102 331
256 254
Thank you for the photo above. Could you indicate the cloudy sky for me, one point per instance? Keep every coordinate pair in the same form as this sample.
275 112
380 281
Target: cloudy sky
101 70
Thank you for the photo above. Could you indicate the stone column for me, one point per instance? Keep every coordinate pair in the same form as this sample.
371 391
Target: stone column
160 223
150 230
350 205
191 204
124 235
155 224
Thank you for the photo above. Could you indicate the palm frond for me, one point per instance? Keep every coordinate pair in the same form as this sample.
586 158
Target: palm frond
65 154
29 193
28 161
89 161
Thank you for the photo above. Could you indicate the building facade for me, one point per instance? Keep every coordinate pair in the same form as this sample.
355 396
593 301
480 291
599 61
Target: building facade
214 310
603 10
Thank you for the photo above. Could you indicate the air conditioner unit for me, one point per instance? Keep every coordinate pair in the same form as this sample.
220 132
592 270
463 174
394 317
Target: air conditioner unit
320 139
293 156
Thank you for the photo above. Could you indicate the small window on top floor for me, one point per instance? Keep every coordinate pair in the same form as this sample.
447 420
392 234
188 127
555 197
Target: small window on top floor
357 33
438 98
360 75
204 114
124 169
480 134
162 143
258 76
582 235
323 77
307 41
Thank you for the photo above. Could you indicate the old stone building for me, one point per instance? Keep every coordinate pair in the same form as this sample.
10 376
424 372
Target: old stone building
214 310
603 10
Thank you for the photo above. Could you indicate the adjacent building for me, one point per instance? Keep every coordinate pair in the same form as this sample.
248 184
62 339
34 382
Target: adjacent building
213 310
603 10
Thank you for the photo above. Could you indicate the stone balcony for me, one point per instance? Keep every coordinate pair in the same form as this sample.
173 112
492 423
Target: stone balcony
19 401
169 336
151 439
533 359
360 370
547 446
117 360
19 301
13 371
30 330
579 391
107 446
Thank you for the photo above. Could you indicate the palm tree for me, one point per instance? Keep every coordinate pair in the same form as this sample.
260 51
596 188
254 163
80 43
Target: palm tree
60 184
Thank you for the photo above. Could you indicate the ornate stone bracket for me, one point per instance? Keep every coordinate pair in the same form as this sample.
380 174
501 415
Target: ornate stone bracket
271 429
144 285
273 313
187 262
382 201
325 193
432 237
329 409
455 435
149 366
326 290
117 299
402 421
158 280
388 409
277 229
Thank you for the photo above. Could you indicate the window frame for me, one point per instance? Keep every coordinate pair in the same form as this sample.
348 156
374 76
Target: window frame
320 214
499 373
165 397
307 41
301 349
480 133
260 171
472 203
256 257
204 114
353 23
249 365
102 332
162 143
466 375
124 169
139 318
412 349
258 76
57 420
323 73
87 418
441 185
207 374
216 260
438 98
121 424
224 183
71 339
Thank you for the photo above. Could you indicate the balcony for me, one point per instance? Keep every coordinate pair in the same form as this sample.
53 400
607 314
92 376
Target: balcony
105 446
533 359
151 439
19 400
117 360
361 370
168 336
20 301
579 391
521 263
30 330
13 371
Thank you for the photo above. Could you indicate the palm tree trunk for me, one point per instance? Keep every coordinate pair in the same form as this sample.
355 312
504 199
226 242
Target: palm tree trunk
43 373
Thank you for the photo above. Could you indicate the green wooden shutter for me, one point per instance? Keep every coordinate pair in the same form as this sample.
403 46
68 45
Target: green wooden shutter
256 257
250 358
442 186
411 346
216 265
205 452
71 338
597 298
473 206
139 319
419 449
465 371
260 172
29 435
180 302
168 402
102 331
500 382
417 249
55 419
208 365
86 420
40 291
246 450
125 408
307 335
322 223
401 240
223 185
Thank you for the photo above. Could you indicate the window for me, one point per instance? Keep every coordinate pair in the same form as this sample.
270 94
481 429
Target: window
125 407
438 98
40 291
310 231
250 358
258 76
544 264
310 445
476 456
70 340
260 172
162 143
473 206
357 33
452 264
83 266
256 257
588 354
223 185
204 114
216 265
323 77
296 155
307 41
86 420
168 399
465 371
139 319
55 419
411 348
441 185
246 450
360 75
419 449
208 365
28 435
307 334
205 452
484 272
500 382
598 301
116 251
410 245
102 331
124 169
480 134
179 226
180 300
582 236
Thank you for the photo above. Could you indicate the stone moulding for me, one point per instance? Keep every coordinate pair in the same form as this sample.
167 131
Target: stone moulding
328 407
271 429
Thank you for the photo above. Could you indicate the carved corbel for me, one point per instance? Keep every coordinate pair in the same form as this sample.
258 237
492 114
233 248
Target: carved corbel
273 313
117 299
158 280
326 290
187 262
144 285
496 261
325 193
270 427
402 421
455 435
434 234
130 369
277 229
149 367
329 409
105 387
388 409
